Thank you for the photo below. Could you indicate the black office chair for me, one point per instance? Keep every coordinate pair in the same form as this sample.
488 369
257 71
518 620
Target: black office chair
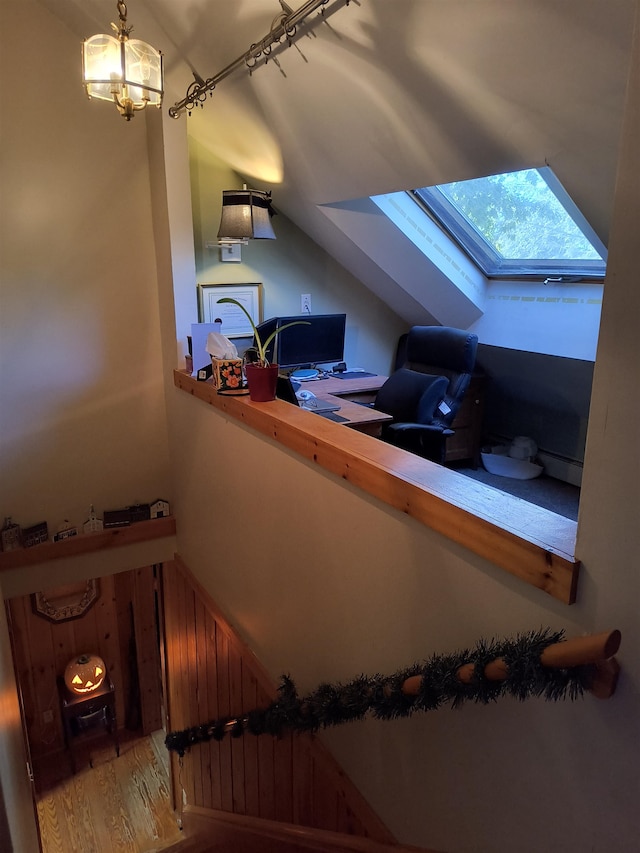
425 392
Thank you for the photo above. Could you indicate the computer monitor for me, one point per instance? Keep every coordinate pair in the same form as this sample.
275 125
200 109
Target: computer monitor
319 342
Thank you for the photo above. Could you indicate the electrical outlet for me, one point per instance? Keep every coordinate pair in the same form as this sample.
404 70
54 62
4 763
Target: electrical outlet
47 717
305 303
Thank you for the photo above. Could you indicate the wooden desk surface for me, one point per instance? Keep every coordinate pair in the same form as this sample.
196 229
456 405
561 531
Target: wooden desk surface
341 387
358 416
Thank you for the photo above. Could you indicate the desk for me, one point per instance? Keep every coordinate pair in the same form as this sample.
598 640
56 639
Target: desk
84 711
464 444
359 417
346 392
359 387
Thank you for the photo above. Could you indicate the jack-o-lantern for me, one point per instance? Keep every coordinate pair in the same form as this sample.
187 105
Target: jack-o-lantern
84 674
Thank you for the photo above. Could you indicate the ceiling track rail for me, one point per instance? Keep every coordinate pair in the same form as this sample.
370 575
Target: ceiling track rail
285 28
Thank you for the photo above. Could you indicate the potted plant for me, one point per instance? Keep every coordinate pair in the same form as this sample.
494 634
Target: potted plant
261 375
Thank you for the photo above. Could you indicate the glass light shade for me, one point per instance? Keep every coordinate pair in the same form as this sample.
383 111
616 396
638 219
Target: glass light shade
84 674
245 216
126 70
143 73
102 70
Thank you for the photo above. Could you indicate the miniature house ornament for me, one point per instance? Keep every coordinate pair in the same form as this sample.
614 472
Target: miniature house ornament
160 508
65 531
93 524
84 674
10 535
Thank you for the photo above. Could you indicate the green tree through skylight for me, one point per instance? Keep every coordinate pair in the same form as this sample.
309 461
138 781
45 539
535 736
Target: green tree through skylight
517 223
520 216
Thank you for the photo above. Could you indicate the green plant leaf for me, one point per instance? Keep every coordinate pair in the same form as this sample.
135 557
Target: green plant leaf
260 346
281 329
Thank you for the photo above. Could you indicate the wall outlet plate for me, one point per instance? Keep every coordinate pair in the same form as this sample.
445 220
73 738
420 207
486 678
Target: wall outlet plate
305 303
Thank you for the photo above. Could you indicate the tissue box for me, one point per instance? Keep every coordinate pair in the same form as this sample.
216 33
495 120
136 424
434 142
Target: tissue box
227 375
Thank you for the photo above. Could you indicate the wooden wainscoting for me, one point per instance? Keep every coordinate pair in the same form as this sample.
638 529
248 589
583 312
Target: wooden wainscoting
211 672
121 627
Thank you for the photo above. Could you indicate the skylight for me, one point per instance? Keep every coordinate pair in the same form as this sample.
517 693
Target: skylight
518 224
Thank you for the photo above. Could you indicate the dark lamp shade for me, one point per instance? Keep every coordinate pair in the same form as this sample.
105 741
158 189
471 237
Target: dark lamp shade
84 674
246 215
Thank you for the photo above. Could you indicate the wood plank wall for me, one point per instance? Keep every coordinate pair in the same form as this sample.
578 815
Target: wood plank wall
211 673
124 613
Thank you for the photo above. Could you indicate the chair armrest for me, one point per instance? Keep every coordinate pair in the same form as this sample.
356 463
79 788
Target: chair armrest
426 440
432 429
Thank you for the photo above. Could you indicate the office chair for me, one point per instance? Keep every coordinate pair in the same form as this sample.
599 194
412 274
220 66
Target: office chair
424 394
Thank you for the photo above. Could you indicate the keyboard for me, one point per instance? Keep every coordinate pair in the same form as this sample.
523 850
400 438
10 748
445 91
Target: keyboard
319 405
331 416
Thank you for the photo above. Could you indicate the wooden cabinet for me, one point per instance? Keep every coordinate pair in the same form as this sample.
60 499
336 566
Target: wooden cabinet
466 441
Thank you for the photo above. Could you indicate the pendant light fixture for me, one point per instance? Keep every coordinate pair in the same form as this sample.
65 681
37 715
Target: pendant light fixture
127 72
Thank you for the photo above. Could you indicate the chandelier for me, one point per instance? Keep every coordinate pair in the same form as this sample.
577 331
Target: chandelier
127 72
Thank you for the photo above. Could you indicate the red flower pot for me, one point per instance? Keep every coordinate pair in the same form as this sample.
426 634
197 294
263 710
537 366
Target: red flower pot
262 382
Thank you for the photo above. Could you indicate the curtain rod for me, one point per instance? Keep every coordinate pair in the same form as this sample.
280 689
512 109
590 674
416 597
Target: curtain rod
283 25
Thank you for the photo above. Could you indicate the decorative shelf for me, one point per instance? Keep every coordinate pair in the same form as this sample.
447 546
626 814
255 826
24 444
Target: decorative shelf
115 537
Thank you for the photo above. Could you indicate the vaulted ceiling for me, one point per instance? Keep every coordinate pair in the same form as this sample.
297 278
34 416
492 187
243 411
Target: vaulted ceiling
386 95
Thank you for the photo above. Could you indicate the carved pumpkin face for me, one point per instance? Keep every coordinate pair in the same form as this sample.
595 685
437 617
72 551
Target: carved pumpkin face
84 674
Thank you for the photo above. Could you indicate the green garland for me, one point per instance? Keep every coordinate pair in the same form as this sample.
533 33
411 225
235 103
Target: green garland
382 696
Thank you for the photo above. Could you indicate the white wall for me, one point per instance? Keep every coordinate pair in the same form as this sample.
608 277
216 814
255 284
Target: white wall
325 585
19 832
557 319
288 266
82 410
82 417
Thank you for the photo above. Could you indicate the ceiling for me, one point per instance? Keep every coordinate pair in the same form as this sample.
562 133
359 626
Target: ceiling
385 96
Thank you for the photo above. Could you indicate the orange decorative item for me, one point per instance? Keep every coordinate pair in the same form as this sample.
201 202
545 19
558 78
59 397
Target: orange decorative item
84 674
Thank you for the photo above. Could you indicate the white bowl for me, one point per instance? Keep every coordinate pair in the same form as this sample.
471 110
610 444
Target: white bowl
498 462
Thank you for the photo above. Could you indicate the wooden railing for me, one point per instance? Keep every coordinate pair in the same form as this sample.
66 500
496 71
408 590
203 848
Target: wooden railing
594 653
525 540
525 666
241 834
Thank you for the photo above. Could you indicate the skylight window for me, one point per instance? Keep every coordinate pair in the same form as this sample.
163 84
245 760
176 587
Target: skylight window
518 224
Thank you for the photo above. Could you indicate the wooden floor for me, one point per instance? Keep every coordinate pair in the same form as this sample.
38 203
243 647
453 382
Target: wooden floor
120 805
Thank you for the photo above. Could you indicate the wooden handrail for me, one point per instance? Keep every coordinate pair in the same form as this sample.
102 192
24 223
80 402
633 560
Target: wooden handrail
590 659
216 826
592 651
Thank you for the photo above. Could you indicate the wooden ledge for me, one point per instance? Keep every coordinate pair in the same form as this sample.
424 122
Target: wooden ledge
87 543
525 540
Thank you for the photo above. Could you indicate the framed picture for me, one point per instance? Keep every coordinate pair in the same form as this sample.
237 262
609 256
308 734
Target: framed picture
234 323
66 602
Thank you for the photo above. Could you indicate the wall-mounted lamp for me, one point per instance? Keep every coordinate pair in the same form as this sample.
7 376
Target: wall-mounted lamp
246 215
84 674
124 71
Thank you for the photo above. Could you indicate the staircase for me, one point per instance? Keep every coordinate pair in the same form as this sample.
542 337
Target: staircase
252 794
